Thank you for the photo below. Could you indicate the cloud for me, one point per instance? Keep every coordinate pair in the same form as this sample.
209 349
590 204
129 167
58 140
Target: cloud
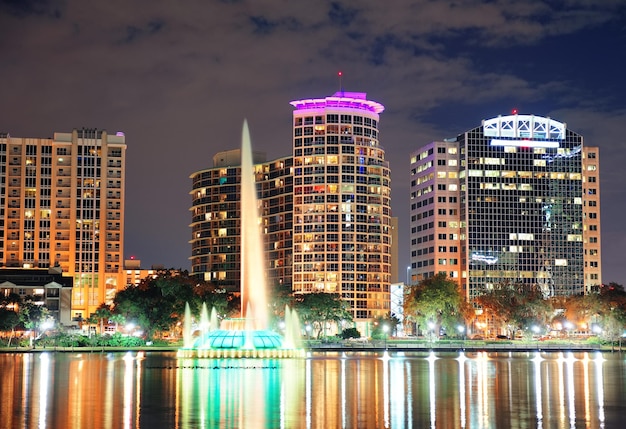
179 78
133 32
25 8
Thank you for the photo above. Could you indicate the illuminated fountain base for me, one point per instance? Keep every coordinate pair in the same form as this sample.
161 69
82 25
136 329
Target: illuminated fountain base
239 338
241 353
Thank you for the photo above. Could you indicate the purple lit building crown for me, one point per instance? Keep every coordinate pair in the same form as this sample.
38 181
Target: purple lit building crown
341 99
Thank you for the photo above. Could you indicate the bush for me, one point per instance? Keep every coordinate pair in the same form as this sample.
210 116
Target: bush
350 333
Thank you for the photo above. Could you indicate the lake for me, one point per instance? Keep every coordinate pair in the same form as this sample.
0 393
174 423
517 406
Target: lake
325 390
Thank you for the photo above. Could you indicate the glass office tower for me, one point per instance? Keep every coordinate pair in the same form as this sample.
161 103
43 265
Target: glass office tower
515 200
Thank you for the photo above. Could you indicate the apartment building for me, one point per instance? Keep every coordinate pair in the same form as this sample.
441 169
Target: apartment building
62 205
216 218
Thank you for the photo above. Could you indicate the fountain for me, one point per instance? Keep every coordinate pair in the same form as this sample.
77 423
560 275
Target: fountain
248 336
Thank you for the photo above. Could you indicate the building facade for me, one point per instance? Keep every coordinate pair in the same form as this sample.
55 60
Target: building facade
342 203
326 210
216 219
134 274
515 200
47 287
62 205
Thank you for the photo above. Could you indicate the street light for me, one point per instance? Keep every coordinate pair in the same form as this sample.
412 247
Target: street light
408 269
568 327
535 329
461 330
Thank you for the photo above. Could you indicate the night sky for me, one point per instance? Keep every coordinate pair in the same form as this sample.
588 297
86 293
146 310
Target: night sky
178 78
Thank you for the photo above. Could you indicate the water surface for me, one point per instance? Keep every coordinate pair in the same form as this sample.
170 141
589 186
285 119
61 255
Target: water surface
325 390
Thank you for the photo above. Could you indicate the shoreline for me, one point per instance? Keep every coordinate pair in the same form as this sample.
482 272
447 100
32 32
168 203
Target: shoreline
356 347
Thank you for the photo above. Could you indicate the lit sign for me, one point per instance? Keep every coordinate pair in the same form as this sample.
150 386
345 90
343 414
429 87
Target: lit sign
487 259
524 143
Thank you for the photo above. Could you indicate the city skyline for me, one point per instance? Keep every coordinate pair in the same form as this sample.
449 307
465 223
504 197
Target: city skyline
180 81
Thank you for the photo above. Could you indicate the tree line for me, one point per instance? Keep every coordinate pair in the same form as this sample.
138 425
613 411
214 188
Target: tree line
157 306
437 305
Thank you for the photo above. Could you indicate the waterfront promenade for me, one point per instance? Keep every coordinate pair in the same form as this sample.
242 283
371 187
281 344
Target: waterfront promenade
371 346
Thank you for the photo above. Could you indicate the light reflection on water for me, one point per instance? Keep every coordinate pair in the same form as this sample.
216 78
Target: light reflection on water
366 390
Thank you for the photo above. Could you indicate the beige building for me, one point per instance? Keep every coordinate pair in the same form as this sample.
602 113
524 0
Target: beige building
62 205
134 273
591 218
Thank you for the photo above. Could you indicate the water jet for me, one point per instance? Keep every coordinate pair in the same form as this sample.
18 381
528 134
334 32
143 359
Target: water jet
248 336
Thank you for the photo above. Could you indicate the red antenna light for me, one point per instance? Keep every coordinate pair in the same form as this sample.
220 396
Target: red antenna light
340 75
514 111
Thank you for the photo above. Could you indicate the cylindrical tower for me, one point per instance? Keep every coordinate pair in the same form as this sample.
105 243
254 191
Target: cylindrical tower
342 197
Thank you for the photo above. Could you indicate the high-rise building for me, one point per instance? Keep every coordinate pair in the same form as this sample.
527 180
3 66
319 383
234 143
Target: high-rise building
62 205
216 215
325 210
515 200
342 203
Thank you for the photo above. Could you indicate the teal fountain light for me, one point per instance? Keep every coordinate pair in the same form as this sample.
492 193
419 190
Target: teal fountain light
248 336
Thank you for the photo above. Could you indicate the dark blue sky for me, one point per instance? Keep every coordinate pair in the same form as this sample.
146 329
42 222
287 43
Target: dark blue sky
179 78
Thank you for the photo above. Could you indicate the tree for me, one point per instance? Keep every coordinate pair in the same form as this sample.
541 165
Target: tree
379 324
516 306
436 302
279 297
350 333
146 306
33 315
9 320
102 313
9 317
320 309
11 301
157 304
